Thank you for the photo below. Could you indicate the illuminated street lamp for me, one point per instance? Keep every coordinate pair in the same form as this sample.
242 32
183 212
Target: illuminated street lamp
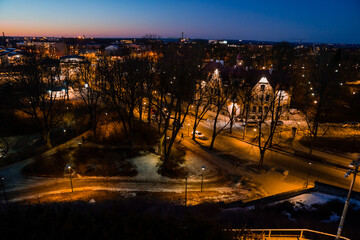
69 168
355 164
3 188
202 177
65 136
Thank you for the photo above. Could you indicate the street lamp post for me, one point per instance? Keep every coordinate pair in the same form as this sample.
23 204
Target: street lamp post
355 164
65 137
3 188
188 129
308 177
202 177
72 190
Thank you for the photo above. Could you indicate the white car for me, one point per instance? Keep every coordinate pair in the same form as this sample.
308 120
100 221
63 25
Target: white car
200 135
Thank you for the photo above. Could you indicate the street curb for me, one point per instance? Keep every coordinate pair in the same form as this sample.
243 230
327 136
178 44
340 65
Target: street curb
269 199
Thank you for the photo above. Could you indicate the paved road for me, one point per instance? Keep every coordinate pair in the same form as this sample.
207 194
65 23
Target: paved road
271 181
298 167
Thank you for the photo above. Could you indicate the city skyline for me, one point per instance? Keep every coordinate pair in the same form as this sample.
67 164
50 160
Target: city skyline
310 21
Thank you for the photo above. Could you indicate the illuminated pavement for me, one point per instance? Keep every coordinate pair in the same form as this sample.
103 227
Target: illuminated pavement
268 182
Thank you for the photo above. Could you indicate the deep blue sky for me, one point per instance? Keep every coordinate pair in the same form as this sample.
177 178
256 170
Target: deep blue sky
317 21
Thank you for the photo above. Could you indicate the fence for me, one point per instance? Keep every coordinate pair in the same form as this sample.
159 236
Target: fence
279 234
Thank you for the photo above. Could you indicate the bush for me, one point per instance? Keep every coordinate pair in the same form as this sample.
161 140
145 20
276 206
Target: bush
173 167
86 161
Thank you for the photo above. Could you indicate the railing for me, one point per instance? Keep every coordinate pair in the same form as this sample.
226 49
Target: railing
267 234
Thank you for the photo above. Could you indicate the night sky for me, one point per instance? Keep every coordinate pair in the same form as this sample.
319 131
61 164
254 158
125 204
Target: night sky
331 21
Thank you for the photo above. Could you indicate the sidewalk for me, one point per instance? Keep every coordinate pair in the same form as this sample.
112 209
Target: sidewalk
339 161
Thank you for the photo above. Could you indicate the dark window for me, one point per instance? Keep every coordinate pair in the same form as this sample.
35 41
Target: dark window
260 109
266 108
254 109
267 97
262 87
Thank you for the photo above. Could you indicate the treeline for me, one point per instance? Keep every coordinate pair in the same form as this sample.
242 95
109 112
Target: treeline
163 88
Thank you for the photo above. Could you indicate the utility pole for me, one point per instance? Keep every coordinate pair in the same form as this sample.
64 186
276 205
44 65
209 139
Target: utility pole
355 171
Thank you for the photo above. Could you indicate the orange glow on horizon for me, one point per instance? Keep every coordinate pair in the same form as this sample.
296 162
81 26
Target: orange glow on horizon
29 29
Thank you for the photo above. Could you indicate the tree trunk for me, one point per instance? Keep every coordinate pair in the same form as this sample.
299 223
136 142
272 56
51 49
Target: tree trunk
140 108
149 111
47 140
245 125
261 161
93 128
212 141
232 117
193 132
214 130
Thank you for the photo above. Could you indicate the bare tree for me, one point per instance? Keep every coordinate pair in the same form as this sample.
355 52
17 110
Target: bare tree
178 72
149 88
90 86
42 95
221 94
202 103
320 91
270 104
246 97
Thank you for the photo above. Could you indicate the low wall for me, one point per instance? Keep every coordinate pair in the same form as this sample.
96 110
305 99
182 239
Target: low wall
334 190
269 199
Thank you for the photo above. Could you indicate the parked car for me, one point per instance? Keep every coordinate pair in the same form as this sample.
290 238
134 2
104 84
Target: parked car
200 135
351 124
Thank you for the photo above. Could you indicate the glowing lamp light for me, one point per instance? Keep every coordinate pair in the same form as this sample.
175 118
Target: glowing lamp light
315 101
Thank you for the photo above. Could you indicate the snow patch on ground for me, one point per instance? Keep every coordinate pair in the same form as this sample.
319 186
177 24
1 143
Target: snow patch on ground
309 199
146 166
